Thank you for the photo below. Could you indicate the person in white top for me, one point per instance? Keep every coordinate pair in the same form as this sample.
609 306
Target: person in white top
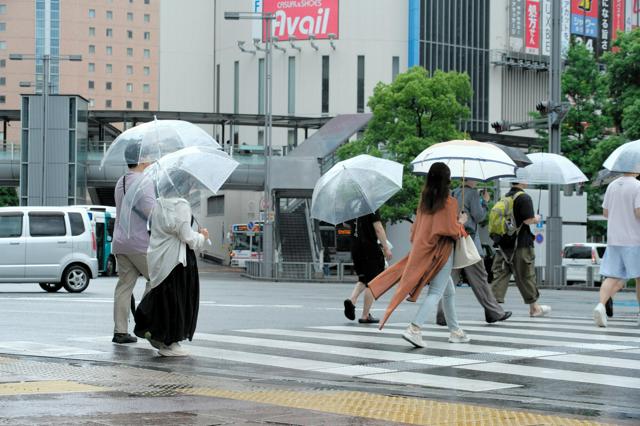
169 312
621 207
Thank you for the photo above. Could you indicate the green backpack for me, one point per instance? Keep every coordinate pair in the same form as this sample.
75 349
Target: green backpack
502 221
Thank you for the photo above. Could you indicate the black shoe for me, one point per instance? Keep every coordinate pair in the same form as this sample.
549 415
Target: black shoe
609 307
123 338
349 309
506 316
369 320
440 320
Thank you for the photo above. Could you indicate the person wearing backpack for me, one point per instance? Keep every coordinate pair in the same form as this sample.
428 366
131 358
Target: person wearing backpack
509 222
476 208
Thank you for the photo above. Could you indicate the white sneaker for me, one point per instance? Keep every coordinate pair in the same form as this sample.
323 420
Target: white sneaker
600 315
173 349
544 310
412 335
459 336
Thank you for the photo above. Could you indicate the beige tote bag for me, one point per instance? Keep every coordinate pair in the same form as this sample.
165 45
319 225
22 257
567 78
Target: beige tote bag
465 253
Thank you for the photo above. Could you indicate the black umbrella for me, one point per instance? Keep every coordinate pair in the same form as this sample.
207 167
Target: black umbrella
516 154
605 177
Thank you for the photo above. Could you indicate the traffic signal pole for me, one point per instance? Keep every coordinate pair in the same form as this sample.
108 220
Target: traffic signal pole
553 271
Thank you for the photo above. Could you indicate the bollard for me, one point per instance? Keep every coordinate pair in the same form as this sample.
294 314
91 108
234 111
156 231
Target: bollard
590 281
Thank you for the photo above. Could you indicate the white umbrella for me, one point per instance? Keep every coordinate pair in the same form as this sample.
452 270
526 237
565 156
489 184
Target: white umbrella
355 187
197 168
549 169
625 159
467 159
148 142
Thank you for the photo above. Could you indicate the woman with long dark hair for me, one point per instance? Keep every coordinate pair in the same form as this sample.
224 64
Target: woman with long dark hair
437 226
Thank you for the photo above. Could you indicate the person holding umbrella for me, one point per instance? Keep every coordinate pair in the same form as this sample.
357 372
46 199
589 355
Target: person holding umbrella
437 225
368 261
130 248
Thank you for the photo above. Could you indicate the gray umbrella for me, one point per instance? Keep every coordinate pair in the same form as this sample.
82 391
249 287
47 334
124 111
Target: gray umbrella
516 154
605 177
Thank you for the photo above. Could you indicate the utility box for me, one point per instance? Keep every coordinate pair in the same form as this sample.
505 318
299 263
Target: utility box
53 165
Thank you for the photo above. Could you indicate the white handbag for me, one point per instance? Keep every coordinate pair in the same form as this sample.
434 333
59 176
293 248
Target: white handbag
465 253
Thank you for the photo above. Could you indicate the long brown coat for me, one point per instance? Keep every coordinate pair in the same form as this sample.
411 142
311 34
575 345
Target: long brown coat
432 237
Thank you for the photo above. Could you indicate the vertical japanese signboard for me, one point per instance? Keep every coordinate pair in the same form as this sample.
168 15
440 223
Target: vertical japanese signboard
584 22
604 29
516 25
532 27
632 19
617 17
546 27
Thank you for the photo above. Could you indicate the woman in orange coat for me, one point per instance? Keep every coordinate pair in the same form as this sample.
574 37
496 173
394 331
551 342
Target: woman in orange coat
436 227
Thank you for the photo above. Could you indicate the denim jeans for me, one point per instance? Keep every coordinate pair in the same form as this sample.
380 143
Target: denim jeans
441 287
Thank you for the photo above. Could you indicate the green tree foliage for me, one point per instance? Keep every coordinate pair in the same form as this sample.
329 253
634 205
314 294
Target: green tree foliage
8 197
409 115
623 72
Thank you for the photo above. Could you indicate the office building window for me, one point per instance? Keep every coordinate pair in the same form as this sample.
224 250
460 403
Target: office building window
236 87
109 32
3 81
109 68
129 104
91 84
92 67
3 99
146 88
109 51
3 9
3 63
109 14
145 105
215 205
92 49
129 51
107 85
147 35
107 103
146 70
261 86
92 102
130 87
129 69
360 85
129 34
147 17
129 16
291 86
3 27
395 67
325 84
147 53
146 1
92 31
92 13
3 45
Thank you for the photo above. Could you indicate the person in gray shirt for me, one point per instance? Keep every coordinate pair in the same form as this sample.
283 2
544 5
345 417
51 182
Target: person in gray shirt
476 208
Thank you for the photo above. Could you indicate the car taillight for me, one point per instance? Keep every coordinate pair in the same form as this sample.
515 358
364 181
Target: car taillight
94 247
593 256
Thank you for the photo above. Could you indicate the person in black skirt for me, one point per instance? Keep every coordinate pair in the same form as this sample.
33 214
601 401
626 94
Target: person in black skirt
168 313
368 261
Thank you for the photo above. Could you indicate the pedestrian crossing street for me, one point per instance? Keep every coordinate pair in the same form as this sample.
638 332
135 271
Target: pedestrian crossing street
521 353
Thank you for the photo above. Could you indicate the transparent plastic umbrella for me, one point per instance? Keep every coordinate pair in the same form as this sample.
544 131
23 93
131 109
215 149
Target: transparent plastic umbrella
467 159
549 169
148 142
355 187
186 173
625 159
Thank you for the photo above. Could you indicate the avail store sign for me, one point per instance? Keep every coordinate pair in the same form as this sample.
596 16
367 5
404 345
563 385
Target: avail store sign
302 18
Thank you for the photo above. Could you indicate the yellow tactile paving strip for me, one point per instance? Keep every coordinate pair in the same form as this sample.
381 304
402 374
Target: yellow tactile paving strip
394 409
44 387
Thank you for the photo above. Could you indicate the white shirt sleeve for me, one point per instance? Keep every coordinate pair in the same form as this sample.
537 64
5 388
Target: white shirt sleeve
605 201
636 199
194 239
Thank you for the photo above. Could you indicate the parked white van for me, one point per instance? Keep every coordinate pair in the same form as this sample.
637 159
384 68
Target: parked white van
52 246
577 256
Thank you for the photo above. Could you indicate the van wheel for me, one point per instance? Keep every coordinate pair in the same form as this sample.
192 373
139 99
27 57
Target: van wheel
51 287
75 279
110 270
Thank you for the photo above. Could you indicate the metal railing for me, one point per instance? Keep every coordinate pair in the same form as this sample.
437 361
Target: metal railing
307 271
10 150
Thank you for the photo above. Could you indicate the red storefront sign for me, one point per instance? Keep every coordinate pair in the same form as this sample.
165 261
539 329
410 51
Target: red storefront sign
532 28
617 17
302 18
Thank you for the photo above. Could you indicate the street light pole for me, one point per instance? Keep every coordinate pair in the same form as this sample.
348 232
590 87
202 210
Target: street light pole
267 20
